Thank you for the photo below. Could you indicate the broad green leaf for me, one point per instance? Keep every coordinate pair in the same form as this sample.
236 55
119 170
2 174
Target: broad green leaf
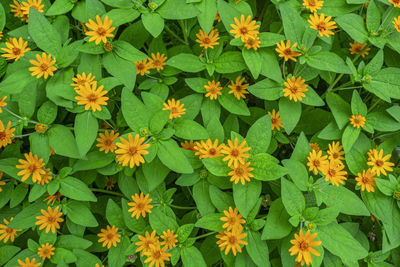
277 225
293 24
246 196
358 107
153 23
290 112
40 146
257 249
72 241
292 198
94 160
80 214
27 217
216 166
341 110
85 127
197 84
201 196
266 167
16 82
47 112
126 51
350 135
328 61
230 103
76 189
188 129
253 61
373 17
121 69
220 199
211 222
229 62
172 156
192 257
259 135
207 15
176 9
186 62
298 172
354 25
122 16
114 214
60 7
62 141
134 111
7 252
266 89
155 173
184 231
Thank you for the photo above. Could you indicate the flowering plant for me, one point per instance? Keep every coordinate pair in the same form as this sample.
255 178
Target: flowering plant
199 133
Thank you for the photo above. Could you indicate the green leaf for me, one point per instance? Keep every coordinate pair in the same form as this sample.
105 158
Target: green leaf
192 257
43 33
349 137
197 84
277 225
340 242
60 7
206 17
3 18
259 135
230 62
177 9
137 226
126 51
381 121
27 217
384 84
328 61
16 81
122 16
121 69
134 111
373 17
72 241
233 105
18 195
253 61
160 222
292 198
216 166
266 167
93 8
221 200
257 249
47 112
188 129
375 65
358 107
155 173
227 13
27 100
266 89
201 196
172 156
86 127
312 98
290 112
95 160
341 110
62 141
76 189
153 23
7 252
354 26
40 146
270 65
116 255
80 214
293 24
114 214
186 62
211 222
298 172
246 196
184 232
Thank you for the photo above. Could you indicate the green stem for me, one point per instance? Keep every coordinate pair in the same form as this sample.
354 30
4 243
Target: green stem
182 23
181 208
22 135
12 113
176 36
204 235
374 105
108 192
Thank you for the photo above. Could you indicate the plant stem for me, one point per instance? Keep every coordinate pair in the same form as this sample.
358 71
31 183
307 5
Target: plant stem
22 135
182 23
205 235
374 105
12 113
108 192
175 35
181 208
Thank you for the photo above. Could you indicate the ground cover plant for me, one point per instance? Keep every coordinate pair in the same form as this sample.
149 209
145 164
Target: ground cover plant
199 133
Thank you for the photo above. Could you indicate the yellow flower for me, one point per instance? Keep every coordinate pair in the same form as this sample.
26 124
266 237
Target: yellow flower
232 219
244 28
43 66
157 255
82 80
322 25
100 30
130 151
140 205
238 89
313 5
3 103
366 180
286 50
91 96
253 42
276 122
106 141
109 236
16 48
396 3
188 145
45 179
6 133
303 247
143 67
36 4
169 239
380 163
7 233
46 251
208 40
334 172
145 242
235 153
295 88
28 263
335 151
31 166
16 8
357 48
49 219
157 61
52 198
208 149
357 121
241 173
396 23
176 108
110 183
231 240
314 146
213 89
316 161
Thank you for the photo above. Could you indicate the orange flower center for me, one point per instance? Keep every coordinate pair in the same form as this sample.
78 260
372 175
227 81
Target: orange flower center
32 168
140 206
238 88
274 121
356 121
44 67
45 251
321 27
239 171
365 180
232 220
157 62
92 98
108 142
235 153
132 151
243 30
3 135
287 51
232 240
51 219
110 236
101 31
303 245
157 255
357 49
331 172
141 66
311 3
9 230
16 51
207 40
147 244
316 163
174 110
379 163
335 155
212 151
293 89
